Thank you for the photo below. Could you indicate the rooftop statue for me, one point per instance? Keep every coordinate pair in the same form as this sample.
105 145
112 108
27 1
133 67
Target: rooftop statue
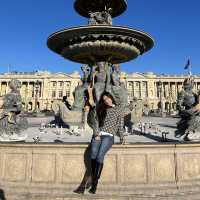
189 111
12 121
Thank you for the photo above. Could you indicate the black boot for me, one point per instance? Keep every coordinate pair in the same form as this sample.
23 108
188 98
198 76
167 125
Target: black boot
99 167
93 169
89 182
93 166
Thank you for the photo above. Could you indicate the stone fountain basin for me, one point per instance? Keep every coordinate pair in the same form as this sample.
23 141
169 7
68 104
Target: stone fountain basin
54 171
90 44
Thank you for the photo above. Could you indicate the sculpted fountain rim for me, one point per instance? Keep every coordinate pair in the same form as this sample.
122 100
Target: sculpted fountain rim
103 29
120 43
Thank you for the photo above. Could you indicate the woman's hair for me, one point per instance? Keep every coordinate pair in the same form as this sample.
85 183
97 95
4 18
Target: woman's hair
102 107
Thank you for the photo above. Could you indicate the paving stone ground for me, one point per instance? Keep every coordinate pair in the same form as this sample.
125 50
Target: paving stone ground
181 196
62 136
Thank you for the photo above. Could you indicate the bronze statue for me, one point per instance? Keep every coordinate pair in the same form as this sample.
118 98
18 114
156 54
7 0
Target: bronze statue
12 121
100 81
103 18
79 97
86 75
118 88
67 116
73 115
189 111
136 108
116 75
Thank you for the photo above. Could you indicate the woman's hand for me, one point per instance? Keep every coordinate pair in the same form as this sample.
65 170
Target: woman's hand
197 107
90 89
97 137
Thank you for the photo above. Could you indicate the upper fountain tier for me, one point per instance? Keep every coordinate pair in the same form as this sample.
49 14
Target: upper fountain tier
100 40
91 44
84 7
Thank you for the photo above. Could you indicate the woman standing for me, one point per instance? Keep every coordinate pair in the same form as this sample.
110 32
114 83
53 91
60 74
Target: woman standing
109 122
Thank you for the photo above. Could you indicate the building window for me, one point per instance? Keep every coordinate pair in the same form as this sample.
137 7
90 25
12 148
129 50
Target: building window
67 84
61 83
130 84
60 94
144 84
67 93
137 84
53 94
137 94
54 83
130 94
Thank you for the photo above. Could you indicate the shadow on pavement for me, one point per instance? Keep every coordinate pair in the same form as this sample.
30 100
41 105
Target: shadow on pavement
156 137
168 126
87 179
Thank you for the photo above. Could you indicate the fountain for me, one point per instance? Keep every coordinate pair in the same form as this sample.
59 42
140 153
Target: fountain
51 171
102 47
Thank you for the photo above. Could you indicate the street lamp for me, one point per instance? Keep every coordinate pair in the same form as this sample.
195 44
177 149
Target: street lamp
37 86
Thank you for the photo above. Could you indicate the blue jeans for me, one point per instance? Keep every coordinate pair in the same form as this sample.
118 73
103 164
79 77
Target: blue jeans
100 147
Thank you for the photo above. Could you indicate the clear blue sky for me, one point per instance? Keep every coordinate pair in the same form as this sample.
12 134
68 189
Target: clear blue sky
26 25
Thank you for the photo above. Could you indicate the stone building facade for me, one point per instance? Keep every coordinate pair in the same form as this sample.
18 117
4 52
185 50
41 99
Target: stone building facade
157 91
40 89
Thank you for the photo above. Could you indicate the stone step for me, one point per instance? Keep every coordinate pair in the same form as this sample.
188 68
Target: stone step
178 196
